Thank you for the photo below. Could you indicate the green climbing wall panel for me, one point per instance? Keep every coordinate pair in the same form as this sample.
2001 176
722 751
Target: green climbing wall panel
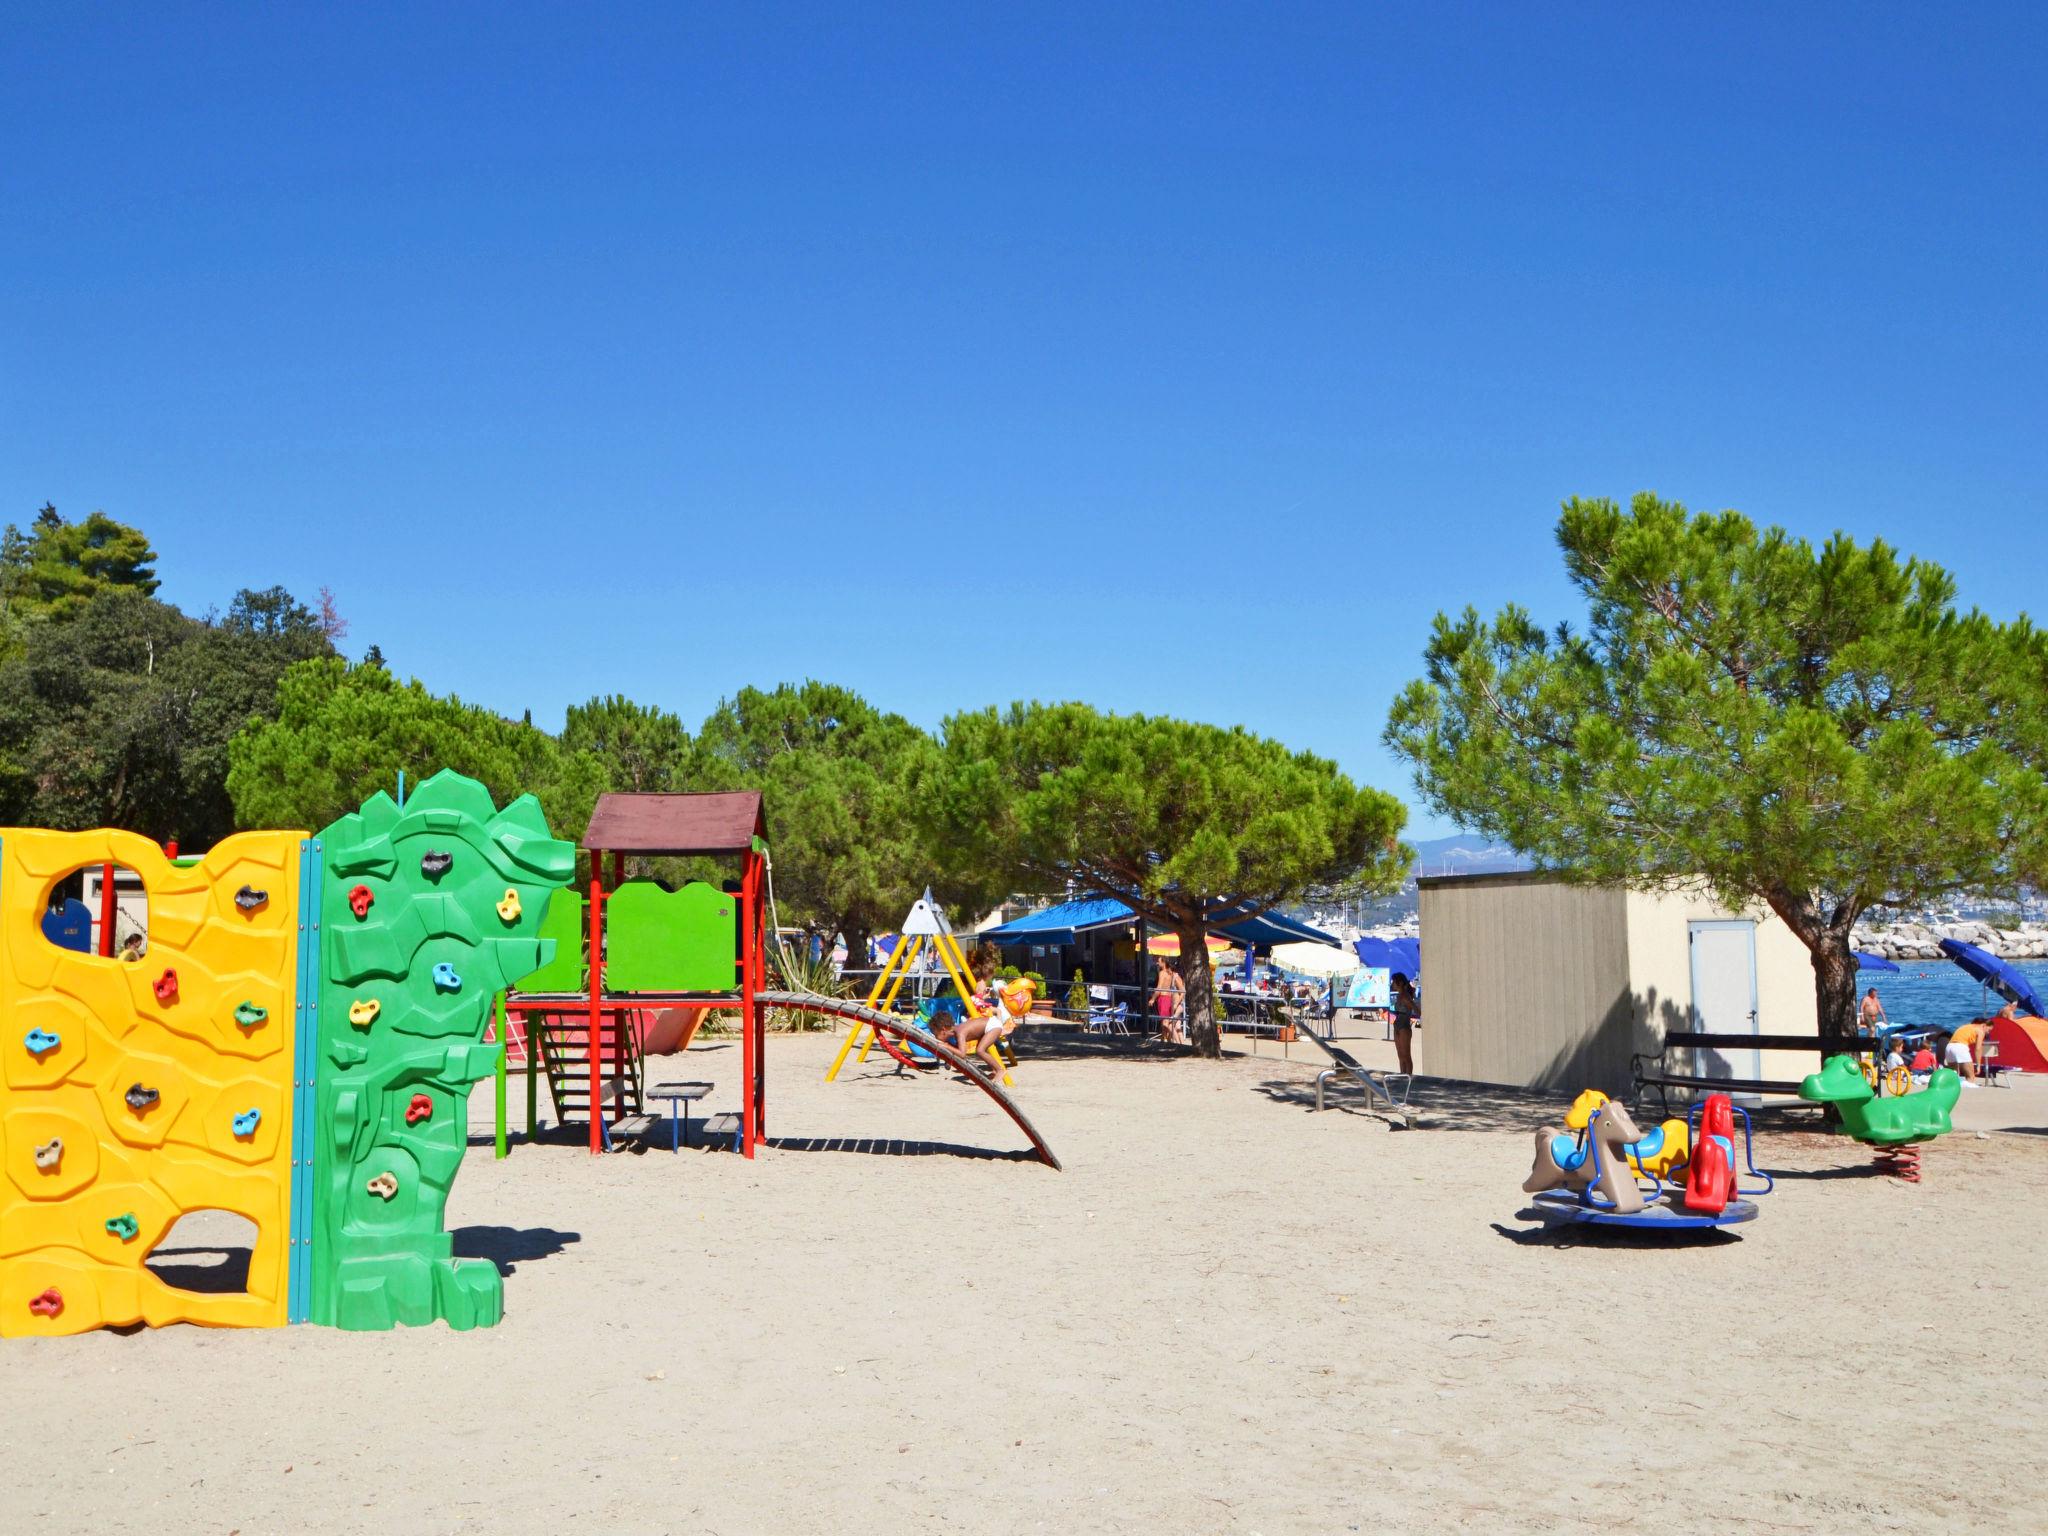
562 923
426 912
671 941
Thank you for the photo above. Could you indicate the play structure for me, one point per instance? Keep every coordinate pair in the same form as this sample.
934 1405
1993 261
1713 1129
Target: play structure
695 949
295 1050
1594 1172
1893 1128
632 950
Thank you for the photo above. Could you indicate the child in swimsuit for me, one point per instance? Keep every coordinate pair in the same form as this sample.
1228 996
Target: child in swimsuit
980 1036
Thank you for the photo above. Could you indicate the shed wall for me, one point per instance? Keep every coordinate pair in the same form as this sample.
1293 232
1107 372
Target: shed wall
1527 982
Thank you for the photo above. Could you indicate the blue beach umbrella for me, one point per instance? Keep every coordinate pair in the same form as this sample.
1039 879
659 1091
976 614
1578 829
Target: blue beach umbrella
1995 974
1872 962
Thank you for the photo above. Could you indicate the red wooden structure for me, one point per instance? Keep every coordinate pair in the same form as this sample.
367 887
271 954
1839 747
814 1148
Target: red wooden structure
726 826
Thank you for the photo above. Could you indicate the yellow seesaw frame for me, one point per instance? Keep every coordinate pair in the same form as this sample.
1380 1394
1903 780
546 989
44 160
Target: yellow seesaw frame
926 925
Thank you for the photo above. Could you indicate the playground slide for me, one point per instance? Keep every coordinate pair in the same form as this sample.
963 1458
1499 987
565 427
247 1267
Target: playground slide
2022 1043
886 1024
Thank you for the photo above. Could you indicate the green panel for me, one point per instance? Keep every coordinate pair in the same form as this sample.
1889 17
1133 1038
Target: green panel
671 941
563 923
438 873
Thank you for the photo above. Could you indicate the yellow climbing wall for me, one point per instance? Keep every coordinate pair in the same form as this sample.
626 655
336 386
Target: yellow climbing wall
78 1219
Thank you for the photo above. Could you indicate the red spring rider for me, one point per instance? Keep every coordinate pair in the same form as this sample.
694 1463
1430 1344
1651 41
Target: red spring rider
1710 1181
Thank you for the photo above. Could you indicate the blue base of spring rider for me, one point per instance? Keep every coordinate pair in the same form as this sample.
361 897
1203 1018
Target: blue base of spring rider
1561 1206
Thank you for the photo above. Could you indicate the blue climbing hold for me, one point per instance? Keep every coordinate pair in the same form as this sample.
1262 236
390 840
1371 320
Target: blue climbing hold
445 979
245 1122
40 1043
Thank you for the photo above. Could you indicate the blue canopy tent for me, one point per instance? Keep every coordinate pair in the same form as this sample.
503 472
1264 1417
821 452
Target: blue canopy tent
1059 925
1401 956
1995 974
1872 962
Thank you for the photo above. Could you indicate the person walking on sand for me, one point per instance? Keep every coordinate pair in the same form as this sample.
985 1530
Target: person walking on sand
1872 1016
1169 1001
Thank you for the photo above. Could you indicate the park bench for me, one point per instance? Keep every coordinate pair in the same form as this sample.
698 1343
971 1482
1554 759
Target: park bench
1654 1071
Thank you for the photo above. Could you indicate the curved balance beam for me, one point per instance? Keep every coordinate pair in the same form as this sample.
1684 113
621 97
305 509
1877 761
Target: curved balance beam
903 1029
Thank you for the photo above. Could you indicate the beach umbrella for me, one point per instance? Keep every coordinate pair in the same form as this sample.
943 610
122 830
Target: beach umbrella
1169 944
1872 962
1315 959
1995 974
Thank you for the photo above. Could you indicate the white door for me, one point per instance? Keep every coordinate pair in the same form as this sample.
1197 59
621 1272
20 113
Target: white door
1724 994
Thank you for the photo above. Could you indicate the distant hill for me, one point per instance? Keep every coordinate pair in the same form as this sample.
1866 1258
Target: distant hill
1465 854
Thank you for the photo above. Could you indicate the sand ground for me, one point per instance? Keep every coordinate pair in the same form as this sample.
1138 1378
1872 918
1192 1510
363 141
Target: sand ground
1229 1314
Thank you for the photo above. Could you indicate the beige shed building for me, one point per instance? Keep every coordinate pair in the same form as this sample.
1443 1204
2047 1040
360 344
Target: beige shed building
1531 981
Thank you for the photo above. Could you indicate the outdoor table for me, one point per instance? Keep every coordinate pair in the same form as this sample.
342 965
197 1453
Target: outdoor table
679 1096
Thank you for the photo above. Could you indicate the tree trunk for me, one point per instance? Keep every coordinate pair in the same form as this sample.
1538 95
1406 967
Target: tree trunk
1834 967
1201 992
856 938
1834 985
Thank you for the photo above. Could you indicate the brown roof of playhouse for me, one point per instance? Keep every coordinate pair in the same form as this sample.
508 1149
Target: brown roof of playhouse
679 824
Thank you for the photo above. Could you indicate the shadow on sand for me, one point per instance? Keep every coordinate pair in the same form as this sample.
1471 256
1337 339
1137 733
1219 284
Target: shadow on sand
509 1247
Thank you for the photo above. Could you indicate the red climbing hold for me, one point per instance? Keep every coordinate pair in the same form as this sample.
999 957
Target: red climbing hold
359 901
49 1304
166 986
419 1109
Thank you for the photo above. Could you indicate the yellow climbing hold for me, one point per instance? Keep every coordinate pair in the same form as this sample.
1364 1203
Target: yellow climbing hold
508 909
363 1012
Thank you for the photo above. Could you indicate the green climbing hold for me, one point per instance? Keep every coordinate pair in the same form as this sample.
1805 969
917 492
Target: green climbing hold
248 1015
124 1226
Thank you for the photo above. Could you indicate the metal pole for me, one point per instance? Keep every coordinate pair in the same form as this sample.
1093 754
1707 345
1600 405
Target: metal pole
107 910
498 1139
595 1037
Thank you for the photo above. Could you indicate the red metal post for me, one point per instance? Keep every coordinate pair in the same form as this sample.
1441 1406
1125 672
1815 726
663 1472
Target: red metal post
595 1037
618 870
750 1053
107 910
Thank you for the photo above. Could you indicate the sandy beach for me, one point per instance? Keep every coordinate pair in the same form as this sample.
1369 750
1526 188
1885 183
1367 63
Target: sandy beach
1229 1314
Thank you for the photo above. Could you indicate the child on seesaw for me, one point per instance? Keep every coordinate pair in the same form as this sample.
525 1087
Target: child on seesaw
1009 1004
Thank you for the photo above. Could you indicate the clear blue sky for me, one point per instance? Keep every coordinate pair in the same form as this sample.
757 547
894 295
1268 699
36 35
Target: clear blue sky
1174 358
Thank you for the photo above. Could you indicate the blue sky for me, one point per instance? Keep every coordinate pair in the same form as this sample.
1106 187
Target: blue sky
1176 358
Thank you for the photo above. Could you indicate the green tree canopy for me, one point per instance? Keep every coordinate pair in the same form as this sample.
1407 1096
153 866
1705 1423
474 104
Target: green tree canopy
836 775
119 713
1819 731
57 567
1192 825
645 750
342 733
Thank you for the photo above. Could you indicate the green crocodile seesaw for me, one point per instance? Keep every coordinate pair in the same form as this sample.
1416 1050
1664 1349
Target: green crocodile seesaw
1897 1122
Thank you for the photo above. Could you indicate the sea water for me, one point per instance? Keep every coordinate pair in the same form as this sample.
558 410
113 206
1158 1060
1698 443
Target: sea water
1941 994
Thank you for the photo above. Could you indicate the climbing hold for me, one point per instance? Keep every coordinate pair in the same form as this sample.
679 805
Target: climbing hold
508 909
248 1015
359 901
363 1012
246 1122
166 986
384 1186
434 864
50 1153
421 1108
346 1053
49 1304
249 899
140 1098
445 979
40 1042
124 1227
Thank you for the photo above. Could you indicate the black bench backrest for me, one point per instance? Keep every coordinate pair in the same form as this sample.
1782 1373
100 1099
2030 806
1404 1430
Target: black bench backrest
1825 1045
